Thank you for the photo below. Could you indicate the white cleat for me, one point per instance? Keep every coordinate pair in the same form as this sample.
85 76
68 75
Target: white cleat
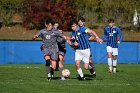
63 78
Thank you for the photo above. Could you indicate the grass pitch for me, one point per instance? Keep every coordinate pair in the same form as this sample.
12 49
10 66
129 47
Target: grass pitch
31 78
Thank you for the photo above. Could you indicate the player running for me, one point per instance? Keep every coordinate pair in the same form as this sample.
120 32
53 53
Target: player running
81 22
82 47
50 47
111 33
62 48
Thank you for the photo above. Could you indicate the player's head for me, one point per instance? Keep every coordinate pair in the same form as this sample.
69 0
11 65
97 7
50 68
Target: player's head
49 24
74 25
56 25
111 22
81 21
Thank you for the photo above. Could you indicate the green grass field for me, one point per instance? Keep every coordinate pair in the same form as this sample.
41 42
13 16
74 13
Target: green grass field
31 78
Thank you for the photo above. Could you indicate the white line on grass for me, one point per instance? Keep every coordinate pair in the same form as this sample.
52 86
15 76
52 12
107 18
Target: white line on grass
79 84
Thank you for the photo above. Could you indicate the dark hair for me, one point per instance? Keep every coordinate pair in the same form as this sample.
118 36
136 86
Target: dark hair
82 19
74 21
48 21
60 27
111 20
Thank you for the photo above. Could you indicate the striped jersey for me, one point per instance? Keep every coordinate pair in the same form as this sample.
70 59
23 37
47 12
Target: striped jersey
88 34
80 36
111 35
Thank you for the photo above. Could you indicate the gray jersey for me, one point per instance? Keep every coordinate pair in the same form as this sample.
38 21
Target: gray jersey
49 38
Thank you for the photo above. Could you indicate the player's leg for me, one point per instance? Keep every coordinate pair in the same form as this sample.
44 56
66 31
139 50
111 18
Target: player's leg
86 57
48 68
109 51
115 53
91 67
79 70
61 67
78 58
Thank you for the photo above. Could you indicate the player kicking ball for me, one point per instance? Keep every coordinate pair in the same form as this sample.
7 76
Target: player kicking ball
50 47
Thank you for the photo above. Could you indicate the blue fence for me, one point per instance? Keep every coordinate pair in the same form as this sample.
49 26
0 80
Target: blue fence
28 52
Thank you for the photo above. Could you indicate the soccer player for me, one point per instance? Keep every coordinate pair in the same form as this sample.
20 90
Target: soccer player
111 33
81 22
62 48
50 47
82 47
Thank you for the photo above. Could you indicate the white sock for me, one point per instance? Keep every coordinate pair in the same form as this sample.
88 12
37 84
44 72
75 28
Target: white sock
90 67
110 64
80 72
114 65
49 74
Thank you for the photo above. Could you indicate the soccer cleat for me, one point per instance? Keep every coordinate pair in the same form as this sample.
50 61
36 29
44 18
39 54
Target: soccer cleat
49 78
94 75
63 78
81 78
110 71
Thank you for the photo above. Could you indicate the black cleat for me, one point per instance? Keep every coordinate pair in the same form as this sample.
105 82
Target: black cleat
94 75
81 78
49 78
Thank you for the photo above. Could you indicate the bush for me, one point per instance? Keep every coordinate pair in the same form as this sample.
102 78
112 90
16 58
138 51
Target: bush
60 11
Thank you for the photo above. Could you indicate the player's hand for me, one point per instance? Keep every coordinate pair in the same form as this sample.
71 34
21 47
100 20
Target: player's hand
75 43
118 42
69 42
34 37
99 40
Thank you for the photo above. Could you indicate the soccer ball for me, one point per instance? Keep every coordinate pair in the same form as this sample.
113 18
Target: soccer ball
66 73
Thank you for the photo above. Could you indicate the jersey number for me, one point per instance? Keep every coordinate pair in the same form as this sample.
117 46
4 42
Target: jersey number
48 36
110 34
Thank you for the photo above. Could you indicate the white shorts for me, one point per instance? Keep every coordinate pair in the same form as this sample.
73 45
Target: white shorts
83 55
114 51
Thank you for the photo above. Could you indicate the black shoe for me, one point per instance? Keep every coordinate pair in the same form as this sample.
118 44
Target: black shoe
49 78
81 78
94 75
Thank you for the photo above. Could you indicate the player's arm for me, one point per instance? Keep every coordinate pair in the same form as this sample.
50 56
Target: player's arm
120 34
105 34
36 35
59 34
72 42
93 32
91 36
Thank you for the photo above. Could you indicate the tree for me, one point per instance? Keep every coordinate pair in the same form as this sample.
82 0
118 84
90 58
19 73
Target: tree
60 11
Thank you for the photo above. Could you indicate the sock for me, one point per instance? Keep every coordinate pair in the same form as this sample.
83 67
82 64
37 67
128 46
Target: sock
80 72
48 68
91 68
60 70
110 64
114 65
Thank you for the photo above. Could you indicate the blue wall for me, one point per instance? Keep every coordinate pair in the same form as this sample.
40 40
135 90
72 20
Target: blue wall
28 52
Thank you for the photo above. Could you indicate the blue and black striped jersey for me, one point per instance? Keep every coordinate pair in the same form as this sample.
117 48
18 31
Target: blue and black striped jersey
81 37
111 34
